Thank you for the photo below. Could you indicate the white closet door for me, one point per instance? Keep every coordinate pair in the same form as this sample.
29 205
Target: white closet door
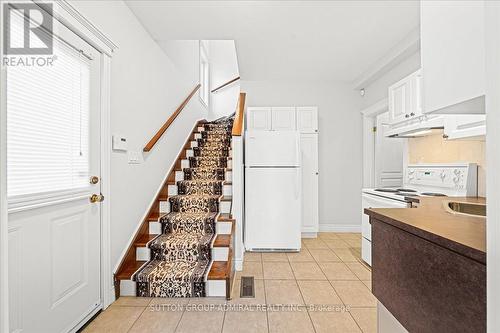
309 148
259 118
283 119
307 119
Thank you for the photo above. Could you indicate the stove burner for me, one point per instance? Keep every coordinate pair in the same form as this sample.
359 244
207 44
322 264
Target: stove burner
430 194
406 190
387 190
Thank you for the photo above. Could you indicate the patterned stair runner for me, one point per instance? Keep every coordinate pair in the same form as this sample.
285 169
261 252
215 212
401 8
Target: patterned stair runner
181 255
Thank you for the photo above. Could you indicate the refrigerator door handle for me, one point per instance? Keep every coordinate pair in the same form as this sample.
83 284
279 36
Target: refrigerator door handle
297 150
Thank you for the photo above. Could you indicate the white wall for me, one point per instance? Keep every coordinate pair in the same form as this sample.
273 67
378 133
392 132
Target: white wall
340 143
223 67
146 87
378 89
185 55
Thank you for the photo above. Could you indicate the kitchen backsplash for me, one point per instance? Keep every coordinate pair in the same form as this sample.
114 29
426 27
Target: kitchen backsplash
434 149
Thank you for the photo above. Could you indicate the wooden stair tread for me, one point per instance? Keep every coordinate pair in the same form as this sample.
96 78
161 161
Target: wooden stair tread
222 241
144 239
228 182
218 271
227 198
225 217
129 269
221 270
154 217
163 197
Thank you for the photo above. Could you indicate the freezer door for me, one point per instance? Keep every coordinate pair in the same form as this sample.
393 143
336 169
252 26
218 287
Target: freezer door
272 148
272 208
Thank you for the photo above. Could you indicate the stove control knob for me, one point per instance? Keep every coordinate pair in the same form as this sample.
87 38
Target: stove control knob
443 175
456 180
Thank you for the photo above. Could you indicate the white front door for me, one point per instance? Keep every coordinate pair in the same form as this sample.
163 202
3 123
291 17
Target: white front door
53 150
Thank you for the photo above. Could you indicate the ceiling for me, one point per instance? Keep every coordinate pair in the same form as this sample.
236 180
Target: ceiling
289 40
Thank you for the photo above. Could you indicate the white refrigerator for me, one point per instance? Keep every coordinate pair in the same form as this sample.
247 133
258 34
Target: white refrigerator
272 191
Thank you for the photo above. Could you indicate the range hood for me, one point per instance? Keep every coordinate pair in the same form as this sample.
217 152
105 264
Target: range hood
418 127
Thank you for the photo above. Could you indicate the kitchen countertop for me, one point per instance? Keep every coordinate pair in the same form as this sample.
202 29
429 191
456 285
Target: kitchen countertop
465 235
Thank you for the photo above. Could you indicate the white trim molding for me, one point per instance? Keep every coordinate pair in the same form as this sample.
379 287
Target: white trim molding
65 13
334 227
492 29
376 108
107 277
4 233
402 51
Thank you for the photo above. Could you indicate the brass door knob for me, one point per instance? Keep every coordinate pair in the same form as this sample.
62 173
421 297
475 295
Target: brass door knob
96 198
94 180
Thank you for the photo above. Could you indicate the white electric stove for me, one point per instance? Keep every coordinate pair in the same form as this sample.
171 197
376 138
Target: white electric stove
453 180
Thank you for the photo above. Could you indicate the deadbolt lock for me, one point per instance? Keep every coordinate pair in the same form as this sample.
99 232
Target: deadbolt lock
96 198
94 180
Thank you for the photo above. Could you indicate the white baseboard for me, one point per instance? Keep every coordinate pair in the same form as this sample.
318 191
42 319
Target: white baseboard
333 227
309 234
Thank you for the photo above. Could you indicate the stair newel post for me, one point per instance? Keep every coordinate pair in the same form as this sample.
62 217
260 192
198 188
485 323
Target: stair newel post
238 180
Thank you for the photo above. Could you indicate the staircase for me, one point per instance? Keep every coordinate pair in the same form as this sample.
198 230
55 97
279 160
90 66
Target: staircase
184 247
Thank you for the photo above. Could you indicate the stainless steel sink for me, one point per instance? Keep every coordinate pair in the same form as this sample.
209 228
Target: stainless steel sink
466 208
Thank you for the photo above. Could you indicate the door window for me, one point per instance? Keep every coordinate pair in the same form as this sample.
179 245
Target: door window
48 123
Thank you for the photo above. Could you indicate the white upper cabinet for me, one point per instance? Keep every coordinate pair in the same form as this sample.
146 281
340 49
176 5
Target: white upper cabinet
307 119
283 119
259 118
399 101
453 56
405 100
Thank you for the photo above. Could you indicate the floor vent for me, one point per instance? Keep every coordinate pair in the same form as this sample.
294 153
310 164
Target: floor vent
247 289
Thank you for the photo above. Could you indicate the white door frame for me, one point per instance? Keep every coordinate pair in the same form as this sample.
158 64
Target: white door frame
492 29
71 18
4 247
369 115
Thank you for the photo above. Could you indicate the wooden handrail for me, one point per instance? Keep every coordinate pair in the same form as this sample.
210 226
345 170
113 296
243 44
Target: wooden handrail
170 120
226 84
240 114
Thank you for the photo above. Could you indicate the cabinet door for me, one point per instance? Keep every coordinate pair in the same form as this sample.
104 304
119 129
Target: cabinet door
472 127
416 90
259 118
283 119
400 101
309 148
307 119
453 52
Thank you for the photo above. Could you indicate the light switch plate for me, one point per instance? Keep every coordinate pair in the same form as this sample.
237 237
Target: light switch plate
135 157
119 142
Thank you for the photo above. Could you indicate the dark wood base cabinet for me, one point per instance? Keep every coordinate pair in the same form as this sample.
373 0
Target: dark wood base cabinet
427 287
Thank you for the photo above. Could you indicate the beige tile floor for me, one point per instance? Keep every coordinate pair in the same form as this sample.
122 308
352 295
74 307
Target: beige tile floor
324 288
